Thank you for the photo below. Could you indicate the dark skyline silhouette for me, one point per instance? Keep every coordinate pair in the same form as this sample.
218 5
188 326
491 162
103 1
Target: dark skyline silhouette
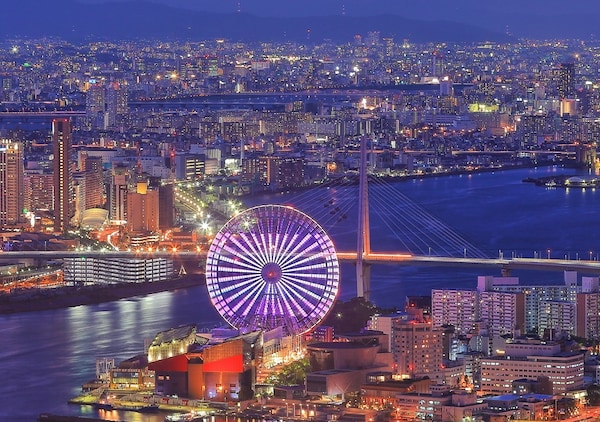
251 20
532 18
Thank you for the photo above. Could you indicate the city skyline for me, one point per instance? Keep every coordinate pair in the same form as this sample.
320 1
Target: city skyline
139 157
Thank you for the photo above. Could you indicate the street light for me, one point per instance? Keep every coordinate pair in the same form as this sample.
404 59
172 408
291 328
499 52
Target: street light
548 253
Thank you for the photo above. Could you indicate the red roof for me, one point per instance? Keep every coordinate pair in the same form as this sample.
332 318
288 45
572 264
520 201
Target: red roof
177 363
230 364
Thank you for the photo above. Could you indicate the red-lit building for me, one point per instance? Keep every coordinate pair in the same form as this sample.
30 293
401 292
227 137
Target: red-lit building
143 209
218 372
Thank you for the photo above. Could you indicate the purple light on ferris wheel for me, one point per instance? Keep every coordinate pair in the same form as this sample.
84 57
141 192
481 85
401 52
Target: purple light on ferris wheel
272 266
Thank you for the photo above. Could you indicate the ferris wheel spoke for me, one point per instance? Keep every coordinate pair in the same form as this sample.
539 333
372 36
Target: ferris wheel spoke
301 287
304 260
301 305
250 248
249 304
291 303
223 302
300 259
281 245
316 279
282 235
267 241
318 294
320 266
242 251
264 233
281 241
238 279
231 283
266 306
286 227
293 253
237 261
287 246
258 246
319 308
249 294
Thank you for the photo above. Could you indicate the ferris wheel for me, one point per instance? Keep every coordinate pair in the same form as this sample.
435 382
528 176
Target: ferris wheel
272 266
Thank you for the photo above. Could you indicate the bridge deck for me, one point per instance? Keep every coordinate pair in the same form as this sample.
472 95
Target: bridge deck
541 264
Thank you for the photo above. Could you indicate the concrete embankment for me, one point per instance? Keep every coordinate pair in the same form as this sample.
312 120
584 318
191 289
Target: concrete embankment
49 417
64 297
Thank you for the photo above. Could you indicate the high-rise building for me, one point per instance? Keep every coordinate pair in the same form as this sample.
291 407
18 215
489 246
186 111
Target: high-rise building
143 209
502 313
39 191
116 102
455 307
416 348
94 183
535 299
166 212
566 80
118 195
63 186
11 183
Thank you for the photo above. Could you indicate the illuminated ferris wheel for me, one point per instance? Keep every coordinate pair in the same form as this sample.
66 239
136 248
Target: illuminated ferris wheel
272 266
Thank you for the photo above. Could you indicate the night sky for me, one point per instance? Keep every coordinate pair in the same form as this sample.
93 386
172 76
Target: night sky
520 18
466 10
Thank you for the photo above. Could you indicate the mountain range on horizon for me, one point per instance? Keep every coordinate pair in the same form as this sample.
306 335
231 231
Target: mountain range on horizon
75 21
78 21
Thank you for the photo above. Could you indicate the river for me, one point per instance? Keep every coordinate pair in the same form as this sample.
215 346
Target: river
46 356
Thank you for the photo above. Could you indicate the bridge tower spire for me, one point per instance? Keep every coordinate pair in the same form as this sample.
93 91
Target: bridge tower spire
363 269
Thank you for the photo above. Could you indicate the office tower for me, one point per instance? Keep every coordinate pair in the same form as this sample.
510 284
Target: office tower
116 102
95 105
94 183
11 183
39 191
118 195
416 347
143 209
63 187
166 211
566 80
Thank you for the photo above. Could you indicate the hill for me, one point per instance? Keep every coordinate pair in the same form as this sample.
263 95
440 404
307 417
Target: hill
75 21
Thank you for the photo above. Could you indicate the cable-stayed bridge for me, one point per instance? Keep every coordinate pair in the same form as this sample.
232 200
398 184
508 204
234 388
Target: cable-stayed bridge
347 208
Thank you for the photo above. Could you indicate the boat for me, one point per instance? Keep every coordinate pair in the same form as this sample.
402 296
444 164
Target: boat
185 417
142 408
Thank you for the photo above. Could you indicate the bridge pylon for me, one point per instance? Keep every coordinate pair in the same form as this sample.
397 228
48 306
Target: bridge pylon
363 269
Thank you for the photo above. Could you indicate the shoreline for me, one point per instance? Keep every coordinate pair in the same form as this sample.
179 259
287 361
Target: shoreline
69 296
407 177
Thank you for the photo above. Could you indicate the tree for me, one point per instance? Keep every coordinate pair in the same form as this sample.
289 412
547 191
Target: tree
291 374
593 395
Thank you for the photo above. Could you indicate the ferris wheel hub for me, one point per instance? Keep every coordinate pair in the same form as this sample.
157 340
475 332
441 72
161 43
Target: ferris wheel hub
271 272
